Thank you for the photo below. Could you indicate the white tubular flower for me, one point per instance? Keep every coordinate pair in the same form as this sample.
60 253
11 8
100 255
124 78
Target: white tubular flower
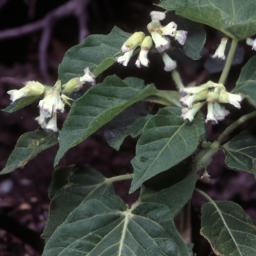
153 26
169 63
124 60
133 41
143 56
234 99
251 42
51 103
52 124
31 88
210 114
219 112
220 52
42 118
88 77
157 15
188 100
161 43
190 113
181 36
168 30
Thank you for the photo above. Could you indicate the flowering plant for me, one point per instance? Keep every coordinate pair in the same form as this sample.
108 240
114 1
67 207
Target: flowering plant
172 152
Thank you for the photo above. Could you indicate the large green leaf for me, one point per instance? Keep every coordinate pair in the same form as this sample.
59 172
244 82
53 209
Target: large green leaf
166 140
28 146
70 186
101 224
21 103
235 18
228 229
98 52
100 104
129 122
246 83
241 151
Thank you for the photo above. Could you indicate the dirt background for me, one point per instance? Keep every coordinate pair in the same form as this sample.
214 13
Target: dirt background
23 194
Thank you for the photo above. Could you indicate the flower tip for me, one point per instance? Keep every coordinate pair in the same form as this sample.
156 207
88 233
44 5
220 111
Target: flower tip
125 48
181 36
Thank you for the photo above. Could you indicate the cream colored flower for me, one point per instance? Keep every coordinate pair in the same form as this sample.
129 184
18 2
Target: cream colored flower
88 77
220 52
143 56
169 63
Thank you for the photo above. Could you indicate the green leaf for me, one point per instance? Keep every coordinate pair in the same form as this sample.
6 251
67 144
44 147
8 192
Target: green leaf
70 186
28 146
246 84
98 52
21 103
233 17
104 226
241 151
228 229
100 104
180 193
129 122
166 140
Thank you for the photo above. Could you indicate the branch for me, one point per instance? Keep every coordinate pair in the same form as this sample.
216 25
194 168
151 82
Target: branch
73 7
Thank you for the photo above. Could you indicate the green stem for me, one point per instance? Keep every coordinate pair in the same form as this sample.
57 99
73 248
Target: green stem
233 126
204 195
177 80
185 222
228 63
120 177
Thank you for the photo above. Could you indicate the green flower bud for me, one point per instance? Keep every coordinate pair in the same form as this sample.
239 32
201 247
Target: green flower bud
133 41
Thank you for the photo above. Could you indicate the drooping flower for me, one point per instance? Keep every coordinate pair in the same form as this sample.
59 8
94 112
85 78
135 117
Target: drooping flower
234 99
220 52
88 77
181 36
157 15
124 59
31 88
161 43
251 42
169 63
52 123
219 112
133 41
168 30
143 56
189 113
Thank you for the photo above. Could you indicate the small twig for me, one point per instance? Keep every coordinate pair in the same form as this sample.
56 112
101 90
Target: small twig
73 7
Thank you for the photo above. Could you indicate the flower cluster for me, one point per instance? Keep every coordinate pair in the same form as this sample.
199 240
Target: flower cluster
194 98
159 35
54 99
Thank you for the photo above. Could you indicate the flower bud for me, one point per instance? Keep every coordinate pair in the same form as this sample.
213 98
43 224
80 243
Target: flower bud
190 113
133 41
88 77
72 85
143 56
193 89
168 62
220 52
124 60
153 26
181 36
168 30
31 88
157 15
